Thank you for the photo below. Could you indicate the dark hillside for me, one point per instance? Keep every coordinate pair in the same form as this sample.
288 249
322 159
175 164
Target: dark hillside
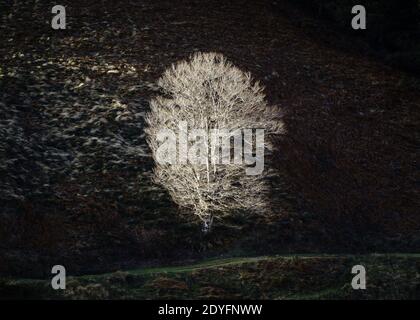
75 169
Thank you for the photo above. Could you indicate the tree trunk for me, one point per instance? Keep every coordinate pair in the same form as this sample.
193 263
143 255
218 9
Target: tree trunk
207 223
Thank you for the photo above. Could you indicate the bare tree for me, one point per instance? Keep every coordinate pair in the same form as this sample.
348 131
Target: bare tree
208 93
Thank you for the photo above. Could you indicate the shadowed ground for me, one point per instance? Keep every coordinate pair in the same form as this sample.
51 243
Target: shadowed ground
75 171
391 276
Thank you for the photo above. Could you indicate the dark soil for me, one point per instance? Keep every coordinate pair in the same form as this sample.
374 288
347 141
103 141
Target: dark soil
75 170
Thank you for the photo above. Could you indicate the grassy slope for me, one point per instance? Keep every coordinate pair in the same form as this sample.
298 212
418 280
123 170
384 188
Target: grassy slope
347 163
391 276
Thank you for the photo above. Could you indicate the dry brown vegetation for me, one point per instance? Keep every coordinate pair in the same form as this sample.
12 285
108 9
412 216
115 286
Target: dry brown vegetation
79 185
